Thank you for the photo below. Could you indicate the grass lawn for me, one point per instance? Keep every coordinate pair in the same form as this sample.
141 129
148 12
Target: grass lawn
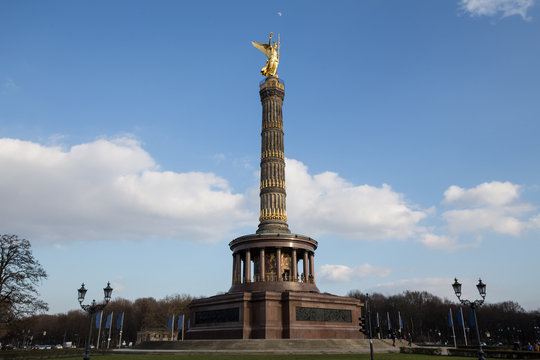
267 357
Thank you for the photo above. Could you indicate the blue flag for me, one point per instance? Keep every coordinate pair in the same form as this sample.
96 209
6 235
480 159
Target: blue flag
472 322
450 322
460 317
400 321
389 323
108 321
180 324
188 323
170 322
119 321
98 319
377 320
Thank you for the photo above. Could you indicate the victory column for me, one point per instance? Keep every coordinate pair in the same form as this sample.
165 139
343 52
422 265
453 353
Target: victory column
270 296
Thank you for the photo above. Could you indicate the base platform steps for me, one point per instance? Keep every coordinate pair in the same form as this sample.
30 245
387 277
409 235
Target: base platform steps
268 345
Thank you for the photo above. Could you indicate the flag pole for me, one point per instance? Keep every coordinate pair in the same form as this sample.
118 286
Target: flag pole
99 331
453 330
378 327
110 328
121 329
463 324
400 324
172 327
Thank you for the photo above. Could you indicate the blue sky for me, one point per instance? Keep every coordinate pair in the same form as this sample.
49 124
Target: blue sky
129 142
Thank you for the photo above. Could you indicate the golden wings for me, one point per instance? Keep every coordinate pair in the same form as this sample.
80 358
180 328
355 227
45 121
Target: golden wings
265 48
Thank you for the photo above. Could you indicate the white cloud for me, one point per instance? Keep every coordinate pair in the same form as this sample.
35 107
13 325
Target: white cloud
118 288
114 190
495 7
8 86
443 242
219 157
494 207
55 139
342 273
535 222
326 203
110 189
475 220
493 193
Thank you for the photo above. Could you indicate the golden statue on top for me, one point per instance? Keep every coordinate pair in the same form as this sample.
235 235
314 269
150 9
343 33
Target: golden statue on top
271 50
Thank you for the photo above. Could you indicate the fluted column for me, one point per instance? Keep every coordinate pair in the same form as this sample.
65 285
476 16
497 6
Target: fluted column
233 269
294 274
306 275
247 267
273 216
262 269
278 264
238 267
311 267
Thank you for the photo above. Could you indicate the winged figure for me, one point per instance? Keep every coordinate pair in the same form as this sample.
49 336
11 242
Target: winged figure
271 50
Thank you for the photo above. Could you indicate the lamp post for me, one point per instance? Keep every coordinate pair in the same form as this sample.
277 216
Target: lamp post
92 309
369 328
473 305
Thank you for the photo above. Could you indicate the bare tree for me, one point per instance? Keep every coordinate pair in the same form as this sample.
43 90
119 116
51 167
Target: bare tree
20 274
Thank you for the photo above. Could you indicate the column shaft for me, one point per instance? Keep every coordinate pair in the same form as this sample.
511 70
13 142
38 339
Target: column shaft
311 267
278 264
273 218
305 266
233 269
294 274
261 266
238 268
247 266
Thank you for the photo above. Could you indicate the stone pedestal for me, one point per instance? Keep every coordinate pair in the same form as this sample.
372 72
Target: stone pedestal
274 315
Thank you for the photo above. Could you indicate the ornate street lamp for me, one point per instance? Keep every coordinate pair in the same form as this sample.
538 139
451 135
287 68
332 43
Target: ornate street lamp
473 304
457 288
92 309
481 288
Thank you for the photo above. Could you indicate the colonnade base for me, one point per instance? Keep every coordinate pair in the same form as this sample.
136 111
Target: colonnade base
274 315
